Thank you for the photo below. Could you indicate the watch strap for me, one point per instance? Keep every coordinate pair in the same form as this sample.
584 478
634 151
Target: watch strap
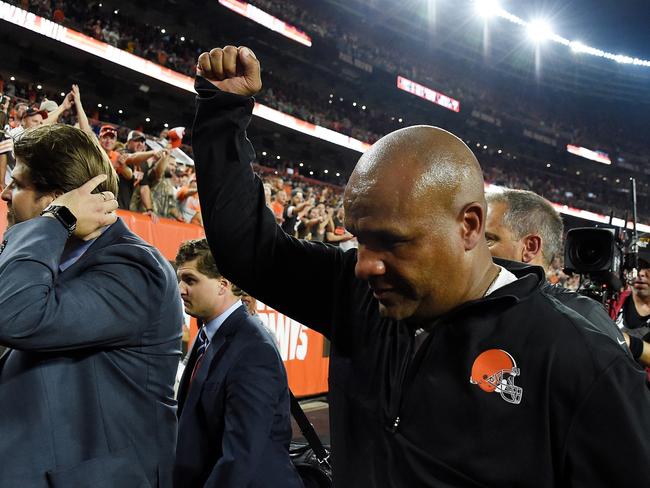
63 215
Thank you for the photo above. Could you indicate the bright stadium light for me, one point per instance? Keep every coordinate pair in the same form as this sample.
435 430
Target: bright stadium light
539 31
577 47
487 8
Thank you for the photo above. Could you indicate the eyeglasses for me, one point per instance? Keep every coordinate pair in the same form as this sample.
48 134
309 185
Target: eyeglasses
109 135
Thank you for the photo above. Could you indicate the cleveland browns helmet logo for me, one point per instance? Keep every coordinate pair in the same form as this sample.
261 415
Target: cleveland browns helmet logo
495 370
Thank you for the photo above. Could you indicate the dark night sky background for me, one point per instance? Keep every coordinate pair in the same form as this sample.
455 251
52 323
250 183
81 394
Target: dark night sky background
619 26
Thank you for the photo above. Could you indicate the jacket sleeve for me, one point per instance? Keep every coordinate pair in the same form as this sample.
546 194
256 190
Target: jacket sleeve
105 305
254 388
248 246
607 443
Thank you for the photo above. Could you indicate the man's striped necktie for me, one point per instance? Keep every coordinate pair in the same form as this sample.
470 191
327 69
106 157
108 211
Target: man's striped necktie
204 342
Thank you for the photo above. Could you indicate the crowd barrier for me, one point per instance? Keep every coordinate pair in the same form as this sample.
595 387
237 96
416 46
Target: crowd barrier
304 352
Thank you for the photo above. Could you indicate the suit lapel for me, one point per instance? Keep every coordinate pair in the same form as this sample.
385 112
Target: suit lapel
187 371
185 379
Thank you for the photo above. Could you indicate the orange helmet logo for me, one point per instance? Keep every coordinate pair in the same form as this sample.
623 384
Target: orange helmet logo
495 370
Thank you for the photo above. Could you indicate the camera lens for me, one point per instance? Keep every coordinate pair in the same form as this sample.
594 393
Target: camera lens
588 254
592 251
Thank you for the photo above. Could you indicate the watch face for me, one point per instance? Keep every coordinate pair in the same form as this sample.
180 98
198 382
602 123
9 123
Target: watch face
67 218
63 215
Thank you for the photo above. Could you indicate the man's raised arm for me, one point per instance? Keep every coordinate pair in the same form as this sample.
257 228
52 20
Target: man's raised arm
248 246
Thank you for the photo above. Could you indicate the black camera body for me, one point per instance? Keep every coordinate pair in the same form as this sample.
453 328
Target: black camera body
596 253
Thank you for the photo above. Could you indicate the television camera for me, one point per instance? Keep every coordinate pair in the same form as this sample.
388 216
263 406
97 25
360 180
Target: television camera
606 258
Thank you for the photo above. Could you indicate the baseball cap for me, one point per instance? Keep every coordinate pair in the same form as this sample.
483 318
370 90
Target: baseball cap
48 106
135 135
35 111
107 129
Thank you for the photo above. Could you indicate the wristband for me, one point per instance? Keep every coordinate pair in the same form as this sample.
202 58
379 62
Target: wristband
636 347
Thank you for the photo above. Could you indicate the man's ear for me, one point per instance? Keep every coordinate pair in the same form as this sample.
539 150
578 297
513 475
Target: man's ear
473 219
531 251
225 284
48 198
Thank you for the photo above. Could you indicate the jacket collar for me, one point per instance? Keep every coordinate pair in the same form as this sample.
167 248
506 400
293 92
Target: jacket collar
114 232
529 279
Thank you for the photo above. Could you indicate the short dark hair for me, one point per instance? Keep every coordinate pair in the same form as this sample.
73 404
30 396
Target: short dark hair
529 213
61 158
200 250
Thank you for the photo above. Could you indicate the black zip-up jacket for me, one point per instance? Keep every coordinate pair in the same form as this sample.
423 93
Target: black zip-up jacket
590 309
573 411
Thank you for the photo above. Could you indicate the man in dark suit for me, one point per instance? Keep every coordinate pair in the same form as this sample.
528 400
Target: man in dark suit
233 399
92 318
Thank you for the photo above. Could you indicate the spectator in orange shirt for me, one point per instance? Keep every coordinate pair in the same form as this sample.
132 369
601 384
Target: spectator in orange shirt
277 205
108 139
188 201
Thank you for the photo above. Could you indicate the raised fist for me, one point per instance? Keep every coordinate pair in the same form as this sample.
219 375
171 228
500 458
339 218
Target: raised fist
232 70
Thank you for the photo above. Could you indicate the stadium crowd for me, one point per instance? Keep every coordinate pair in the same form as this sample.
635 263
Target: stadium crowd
178 52
169 185
304 207
589 190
